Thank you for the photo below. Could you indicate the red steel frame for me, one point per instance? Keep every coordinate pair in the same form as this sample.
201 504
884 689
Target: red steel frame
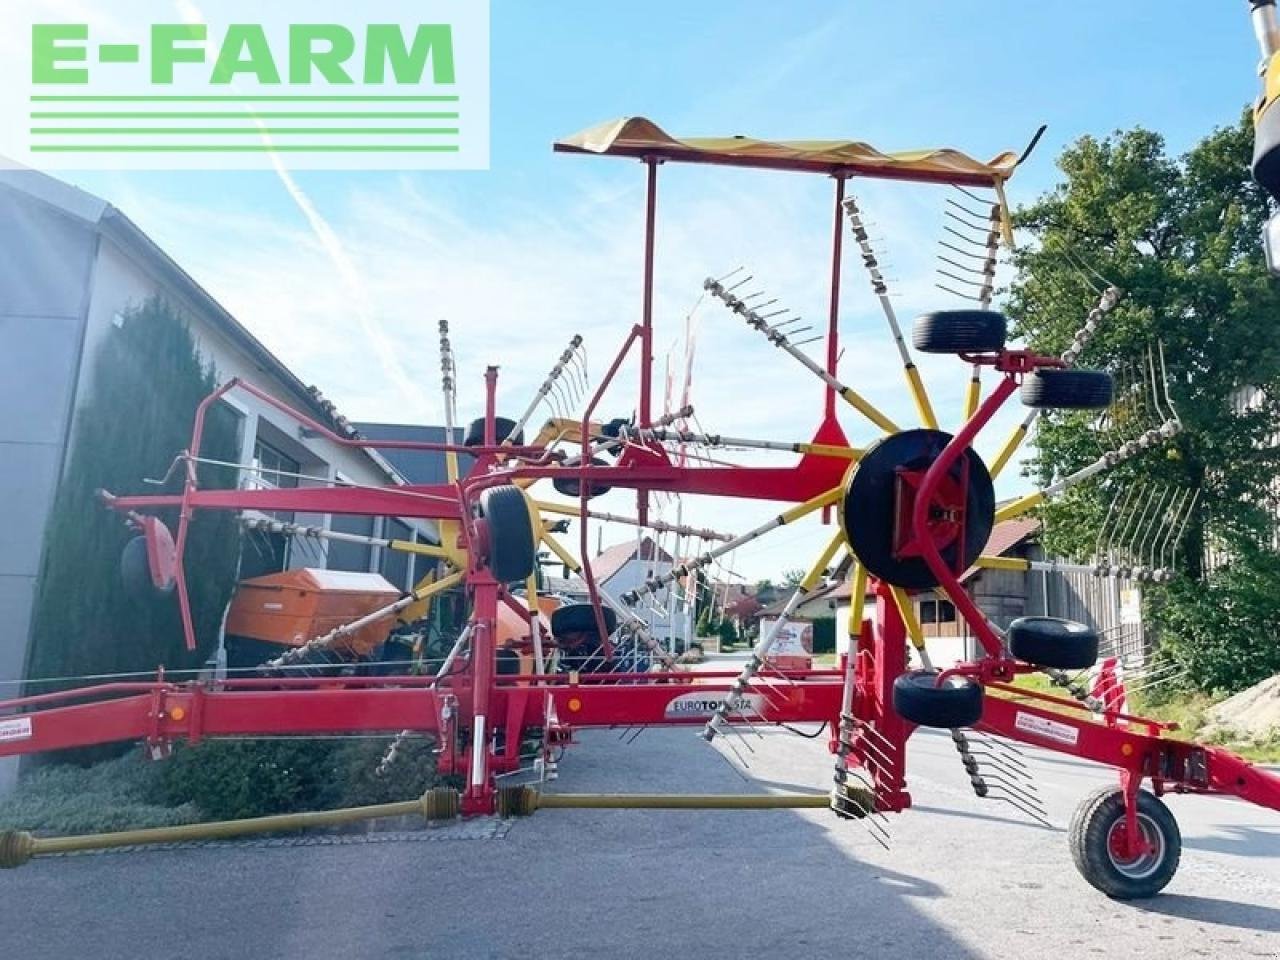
464 710
160 712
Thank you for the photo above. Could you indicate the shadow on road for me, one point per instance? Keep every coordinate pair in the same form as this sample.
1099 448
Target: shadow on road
1240 841
1014 819
1224 913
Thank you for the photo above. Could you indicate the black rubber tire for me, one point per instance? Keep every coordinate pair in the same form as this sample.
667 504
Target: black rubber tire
1089 838
474 437
581 618
867 511
960 331
135 571
918 699
246 653
512 549
1051 642
1067 389
507 662
615 426
572 486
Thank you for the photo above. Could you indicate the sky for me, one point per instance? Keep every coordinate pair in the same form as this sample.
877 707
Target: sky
345 275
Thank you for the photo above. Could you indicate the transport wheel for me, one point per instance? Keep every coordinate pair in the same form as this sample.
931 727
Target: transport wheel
508 663
918 699
572 486
511 544
1098 836
474 437
960 331
580 618
871 508
1051 642
1067 389
135 570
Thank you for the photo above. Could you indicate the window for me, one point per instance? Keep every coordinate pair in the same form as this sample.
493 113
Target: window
274 469
937 611
350 556
267 552
395 563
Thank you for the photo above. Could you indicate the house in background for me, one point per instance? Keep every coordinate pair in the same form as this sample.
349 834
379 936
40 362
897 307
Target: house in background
1004 595
625 567
1000 594
71 268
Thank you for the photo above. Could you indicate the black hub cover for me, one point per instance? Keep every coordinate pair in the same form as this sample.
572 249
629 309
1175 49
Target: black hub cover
871 513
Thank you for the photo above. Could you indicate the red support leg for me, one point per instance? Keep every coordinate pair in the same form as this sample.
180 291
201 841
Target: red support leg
882 652
479 795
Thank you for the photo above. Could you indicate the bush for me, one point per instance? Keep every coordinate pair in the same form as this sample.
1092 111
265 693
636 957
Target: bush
412 771
218 780
148 379
824 636
1222 631
114 795
728 633
232 779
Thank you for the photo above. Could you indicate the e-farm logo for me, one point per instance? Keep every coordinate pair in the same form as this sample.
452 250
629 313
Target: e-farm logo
231 85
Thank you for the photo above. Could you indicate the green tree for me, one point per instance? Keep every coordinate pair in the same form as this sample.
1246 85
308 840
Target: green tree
791 578
728 633
145 383
1180 237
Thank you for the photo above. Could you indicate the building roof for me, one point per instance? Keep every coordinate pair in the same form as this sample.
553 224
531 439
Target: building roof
99 215
612 559
566 586
815 606
1004 537
417 466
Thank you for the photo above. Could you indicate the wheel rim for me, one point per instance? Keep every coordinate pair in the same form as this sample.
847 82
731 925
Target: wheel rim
1145 863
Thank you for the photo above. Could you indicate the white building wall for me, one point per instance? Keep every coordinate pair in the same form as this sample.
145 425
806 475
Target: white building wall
121 282
667 616
943 652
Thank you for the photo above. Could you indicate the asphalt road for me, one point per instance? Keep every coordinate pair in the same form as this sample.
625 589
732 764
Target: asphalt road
963 878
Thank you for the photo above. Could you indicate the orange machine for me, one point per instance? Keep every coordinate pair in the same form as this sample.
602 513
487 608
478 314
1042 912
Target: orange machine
288 609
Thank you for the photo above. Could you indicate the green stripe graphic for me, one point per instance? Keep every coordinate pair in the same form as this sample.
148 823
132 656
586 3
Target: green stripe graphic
247 131
62 98
239 115
246 148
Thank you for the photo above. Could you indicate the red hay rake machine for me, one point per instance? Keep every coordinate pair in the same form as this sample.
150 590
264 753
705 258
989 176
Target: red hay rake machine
914 510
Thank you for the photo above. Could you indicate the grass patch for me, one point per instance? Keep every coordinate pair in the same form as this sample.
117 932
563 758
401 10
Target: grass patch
217 780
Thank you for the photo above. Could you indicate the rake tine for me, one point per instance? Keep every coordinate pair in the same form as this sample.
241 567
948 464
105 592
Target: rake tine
733 728
963 208
964 253
971 195
734 750
1164 379
977 272
978 228
1177 542
967 240
1036 814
